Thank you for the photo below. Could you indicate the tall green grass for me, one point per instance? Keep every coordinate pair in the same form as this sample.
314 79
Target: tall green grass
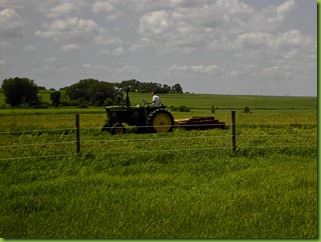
182 195
173 185
184 184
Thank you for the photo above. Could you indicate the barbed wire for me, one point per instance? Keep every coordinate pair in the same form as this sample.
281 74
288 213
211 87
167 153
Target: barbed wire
38 157
220 138
153 151
274 135
38 144
144 126
35 131
155 139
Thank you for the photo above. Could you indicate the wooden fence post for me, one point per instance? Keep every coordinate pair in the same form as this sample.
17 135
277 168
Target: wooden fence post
233 131
77 130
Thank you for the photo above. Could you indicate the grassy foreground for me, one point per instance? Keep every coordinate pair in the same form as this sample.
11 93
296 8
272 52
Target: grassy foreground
184 184
199 195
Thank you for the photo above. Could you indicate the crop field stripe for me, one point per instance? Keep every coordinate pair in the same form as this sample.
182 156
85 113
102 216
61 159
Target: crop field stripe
198 149
275 135
35 131
163 151
38 144
151 139
174 126
156 139
207 125
37 157
287 146
240 123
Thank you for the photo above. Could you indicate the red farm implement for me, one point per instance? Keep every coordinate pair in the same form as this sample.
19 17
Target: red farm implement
201 123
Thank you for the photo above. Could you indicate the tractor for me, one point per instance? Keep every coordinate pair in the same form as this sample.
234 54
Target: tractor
146 118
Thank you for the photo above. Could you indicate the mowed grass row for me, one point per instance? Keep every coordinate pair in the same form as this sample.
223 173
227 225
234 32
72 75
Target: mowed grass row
44 135
95 118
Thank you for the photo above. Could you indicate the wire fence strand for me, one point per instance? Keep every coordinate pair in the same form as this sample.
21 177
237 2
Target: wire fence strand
159 139
154 151
173 126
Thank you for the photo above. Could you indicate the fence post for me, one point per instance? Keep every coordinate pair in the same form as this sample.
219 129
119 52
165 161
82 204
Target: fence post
213 109
77 130
233 131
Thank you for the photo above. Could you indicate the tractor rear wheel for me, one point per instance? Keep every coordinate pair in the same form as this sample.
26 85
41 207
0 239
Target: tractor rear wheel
118 129
160 121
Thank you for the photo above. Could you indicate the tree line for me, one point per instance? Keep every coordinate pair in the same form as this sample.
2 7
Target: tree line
147 87
24 92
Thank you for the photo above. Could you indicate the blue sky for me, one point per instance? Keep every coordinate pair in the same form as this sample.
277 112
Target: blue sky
257 47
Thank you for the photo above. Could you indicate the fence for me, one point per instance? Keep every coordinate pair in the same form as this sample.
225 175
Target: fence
53 143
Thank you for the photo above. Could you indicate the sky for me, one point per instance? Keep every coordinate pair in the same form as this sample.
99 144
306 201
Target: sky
247 47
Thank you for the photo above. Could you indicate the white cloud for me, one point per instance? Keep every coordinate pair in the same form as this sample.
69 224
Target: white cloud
281 41
233 41
271 69
105 7
107 39
11 23
70 47
292 53
143 44
104 52
71 29
155 22
51 60
2 62
63 10
29 48
271 17
254 40
233 7
16 4
119 51
102 6
5 45
292 38
127 70
216 24
199 69
286 7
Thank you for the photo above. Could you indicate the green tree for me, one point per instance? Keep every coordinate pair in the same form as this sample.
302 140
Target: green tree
166 88
20 91
93 91
177 88
55 98
133 84
148 87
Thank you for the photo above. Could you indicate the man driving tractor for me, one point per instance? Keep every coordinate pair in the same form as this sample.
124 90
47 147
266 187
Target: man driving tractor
156 100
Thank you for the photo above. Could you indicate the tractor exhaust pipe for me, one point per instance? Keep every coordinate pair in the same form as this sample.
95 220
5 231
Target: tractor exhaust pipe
127 97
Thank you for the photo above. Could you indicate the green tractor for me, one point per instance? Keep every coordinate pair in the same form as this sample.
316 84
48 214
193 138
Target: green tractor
145 118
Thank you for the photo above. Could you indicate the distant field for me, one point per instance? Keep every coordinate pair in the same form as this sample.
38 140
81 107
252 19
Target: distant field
231 101
206 101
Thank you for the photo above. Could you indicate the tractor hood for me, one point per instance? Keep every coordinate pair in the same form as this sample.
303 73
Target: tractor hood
121 108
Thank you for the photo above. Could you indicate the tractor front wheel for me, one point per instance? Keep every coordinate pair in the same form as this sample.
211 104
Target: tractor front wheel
160 121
